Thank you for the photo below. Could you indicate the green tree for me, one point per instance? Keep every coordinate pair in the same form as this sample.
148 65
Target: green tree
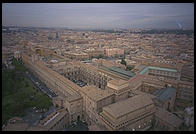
26 84
128 68
123 62
100 56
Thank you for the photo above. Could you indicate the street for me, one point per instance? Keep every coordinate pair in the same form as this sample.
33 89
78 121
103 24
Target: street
40 85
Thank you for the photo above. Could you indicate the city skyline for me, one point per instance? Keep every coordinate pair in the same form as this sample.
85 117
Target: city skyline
100 15
98 67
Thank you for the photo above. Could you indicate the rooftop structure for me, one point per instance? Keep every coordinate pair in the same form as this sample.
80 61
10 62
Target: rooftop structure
121 71
135 113
53 118
117 84
168 118
95 93
157 68
138 92
136 78
139 67
118 71
165 93
131 104
16 124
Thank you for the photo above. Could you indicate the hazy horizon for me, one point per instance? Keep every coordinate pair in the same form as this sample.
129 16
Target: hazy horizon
99 15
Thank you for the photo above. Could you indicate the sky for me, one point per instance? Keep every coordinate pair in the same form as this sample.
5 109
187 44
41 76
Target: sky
99 15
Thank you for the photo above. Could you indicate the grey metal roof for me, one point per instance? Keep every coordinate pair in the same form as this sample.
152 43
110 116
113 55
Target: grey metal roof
165 93
118 71
121 71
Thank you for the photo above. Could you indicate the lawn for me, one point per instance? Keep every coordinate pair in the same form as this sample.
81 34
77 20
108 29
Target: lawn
18 93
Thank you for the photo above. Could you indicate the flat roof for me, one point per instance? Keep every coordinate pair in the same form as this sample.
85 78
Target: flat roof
121 71
95 93
118 82
144 70
18 125
143 93
70 89
165 93
140 67
136 78
125 74
126 106
157 68
49 121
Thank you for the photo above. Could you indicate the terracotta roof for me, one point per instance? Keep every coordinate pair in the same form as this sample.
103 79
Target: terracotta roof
95 93
126 106
136 77
118 82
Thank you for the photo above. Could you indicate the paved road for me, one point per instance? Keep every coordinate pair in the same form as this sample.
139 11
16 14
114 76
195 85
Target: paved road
40 85
32 117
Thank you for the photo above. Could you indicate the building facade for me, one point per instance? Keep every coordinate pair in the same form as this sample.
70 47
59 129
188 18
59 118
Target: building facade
108 99
135 113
